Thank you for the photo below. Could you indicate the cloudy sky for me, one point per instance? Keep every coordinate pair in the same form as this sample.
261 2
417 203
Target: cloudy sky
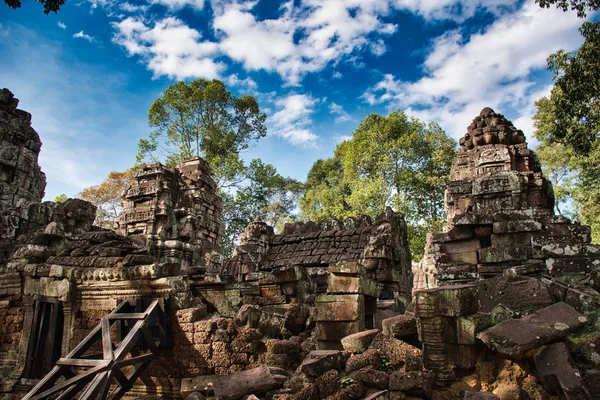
89 73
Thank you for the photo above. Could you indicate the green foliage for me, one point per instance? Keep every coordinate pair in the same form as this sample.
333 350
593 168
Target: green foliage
49 5
395 161
346 381
61 198
202 118
107 197
581 6
265 194
576 177
575 97
385 362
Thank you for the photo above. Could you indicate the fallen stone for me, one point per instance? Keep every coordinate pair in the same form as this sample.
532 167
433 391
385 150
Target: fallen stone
557 372
371 378
320 361
480 396
401 355
399 326
239 384
412 383
359 342
514 338
199 384
195 396
369 358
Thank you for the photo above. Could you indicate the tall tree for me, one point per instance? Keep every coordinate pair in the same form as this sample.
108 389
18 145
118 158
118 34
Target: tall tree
202 118
576 177
265 194
395 160
107 197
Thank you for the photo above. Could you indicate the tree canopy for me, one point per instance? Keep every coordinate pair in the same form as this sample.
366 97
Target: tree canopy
202 118
581 6
49 5
395 161
107 197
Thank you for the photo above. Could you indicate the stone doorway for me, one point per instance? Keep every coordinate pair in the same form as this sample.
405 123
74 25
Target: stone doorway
45 340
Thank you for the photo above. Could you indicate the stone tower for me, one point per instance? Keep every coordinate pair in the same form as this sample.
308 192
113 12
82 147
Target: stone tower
500 214
175 211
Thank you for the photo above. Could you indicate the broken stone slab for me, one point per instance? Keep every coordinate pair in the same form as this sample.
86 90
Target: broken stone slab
480 396
514 338
399 326
320 361
520 294
359 342
239 384
412 383
557 372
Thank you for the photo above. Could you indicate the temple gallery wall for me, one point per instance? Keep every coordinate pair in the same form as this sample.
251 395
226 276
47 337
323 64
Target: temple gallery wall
504 304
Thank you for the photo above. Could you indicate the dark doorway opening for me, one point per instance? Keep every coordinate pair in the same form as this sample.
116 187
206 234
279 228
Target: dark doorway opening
370 310
45 340
158 327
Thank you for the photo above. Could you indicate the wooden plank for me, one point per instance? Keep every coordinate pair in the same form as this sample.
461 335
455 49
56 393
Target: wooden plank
87 375
135 360
51 334
107 347
121 378
80 362
132 316
32 338
46 382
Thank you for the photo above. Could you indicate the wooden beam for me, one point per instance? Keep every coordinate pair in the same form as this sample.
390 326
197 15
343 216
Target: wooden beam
107 347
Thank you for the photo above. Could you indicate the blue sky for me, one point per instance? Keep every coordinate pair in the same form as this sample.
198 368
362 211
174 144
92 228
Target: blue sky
89 73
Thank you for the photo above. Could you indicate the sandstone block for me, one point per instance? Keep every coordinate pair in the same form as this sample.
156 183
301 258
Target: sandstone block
557 372
480 396
514 338
334 330
339 307
371 378
369 358
412 383
359 342
399 326
320 361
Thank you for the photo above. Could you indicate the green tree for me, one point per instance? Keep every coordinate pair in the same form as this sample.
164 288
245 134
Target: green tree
395 161
202 118
61 198
49 5
576 177
581 6
265 194
107 197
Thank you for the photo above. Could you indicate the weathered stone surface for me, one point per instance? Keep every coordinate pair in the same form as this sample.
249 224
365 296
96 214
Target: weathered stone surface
371 377
480 396
239 384
412 383
557 372
519 294
359 342
369 358
400 326
514 338
320 361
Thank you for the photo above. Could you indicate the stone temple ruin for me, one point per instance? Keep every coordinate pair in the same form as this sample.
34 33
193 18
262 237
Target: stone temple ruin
503 305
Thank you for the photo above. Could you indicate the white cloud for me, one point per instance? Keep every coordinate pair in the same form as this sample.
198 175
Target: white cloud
458 10
169 48
340 114
174 5
305 38
337 75
133 8
247 84
293 118
61 25
491 68
81 35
